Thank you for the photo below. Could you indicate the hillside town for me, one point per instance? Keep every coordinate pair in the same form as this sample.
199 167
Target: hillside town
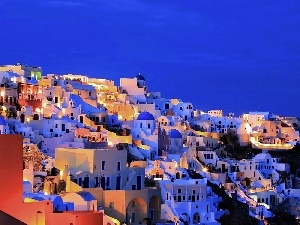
77 150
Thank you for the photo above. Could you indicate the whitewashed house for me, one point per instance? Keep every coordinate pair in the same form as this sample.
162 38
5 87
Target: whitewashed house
146 122
184 110
188 201
4 128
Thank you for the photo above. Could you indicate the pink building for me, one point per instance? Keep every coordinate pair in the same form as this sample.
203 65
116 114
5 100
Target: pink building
12 208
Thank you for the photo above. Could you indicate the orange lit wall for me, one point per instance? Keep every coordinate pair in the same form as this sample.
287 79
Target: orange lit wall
33 103
77 218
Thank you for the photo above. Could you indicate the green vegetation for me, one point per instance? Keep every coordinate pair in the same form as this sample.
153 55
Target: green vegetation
61 187
282 218
230 139
248 181
291 157
54 172
197 127
296 126
11 112
149 182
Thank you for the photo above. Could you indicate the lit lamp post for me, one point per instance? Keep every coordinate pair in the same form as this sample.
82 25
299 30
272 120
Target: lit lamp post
61 173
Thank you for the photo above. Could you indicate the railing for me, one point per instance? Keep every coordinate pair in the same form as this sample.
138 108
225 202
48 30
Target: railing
169 209
198 163
132 173
168 175
259 145
243 195
89 123
261 174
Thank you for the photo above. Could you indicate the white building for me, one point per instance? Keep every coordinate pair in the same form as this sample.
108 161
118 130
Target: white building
184 110
188 201
83 201
4 128
135 87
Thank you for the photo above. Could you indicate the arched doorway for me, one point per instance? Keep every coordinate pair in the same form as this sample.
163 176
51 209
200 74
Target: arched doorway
154 206
136 211
196 218
177 175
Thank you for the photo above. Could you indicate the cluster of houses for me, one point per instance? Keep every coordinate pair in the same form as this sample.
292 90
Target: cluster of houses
98 153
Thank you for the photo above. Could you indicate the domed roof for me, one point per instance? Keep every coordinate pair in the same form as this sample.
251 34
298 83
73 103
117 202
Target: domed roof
87 196
145 116
140 77
2 121
173 133
191 134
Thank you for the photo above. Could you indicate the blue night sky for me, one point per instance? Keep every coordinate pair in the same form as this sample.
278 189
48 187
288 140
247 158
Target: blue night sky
233 55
